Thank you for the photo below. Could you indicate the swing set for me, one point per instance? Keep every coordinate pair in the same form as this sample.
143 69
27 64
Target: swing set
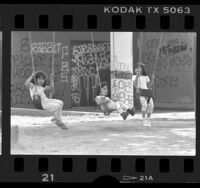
36 97
147 93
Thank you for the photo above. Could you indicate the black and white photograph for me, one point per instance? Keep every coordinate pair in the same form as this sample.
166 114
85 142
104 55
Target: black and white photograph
103 93
0 89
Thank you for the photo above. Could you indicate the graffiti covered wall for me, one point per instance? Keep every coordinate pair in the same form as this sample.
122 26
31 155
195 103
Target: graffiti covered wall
42 48
86 59
174 71
122 67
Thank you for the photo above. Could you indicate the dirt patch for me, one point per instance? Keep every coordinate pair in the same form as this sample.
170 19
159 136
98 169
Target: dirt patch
108 138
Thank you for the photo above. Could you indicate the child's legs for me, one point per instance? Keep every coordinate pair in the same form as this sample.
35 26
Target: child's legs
143 102
115 106
150 108
53 107
123 106
57 102
119 106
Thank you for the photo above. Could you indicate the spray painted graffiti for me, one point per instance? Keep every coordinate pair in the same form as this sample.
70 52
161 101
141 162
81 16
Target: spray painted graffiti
172 55
119 66
172 49
122 90
175 55
121 82
166 81
49 47
25 45
120 70
88 63
165 61
64 71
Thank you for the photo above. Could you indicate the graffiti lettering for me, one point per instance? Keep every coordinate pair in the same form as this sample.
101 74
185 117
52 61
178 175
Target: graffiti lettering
122 90
65 51
171 50
65 72
166 81
25 45
86 60
45 47
119 66
121 75
166 61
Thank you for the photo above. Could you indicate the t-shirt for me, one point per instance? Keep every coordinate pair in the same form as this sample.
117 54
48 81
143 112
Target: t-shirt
142 81
39 91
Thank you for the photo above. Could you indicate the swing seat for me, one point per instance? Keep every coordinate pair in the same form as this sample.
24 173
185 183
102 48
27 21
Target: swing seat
106 110
37 102
145 93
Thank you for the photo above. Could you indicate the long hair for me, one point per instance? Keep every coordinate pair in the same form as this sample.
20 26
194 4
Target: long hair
144 72
40 74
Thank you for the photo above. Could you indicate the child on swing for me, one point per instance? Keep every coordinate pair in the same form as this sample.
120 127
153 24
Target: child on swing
120 107
36 83
142 81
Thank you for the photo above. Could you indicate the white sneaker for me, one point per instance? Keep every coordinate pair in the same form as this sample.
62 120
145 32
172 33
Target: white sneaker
144 122
148 122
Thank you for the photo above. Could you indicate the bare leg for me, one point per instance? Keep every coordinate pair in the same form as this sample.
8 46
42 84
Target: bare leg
143 114
148 115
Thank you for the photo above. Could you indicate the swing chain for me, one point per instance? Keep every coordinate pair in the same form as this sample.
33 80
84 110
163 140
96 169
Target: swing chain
52 92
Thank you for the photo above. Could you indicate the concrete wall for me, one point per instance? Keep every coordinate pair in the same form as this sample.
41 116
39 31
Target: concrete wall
75 65
175 69
122 67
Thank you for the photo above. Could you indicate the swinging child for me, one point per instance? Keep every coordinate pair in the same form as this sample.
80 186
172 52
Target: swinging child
37 85
107 105
144 92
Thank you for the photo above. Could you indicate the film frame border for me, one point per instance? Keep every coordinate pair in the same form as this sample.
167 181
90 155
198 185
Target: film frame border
88 168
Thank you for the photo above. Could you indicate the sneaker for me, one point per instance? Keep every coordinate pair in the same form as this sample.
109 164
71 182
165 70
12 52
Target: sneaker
61 125
131 111
124 115
54 120
146 123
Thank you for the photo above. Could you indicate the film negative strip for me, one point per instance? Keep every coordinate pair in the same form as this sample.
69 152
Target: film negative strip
99 93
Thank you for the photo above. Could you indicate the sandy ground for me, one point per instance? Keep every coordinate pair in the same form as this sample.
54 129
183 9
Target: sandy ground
172 133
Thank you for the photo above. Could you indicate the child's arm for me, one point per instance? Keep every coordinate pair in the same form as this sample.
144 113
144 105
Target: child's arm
150 83
135 79
101 100
28 83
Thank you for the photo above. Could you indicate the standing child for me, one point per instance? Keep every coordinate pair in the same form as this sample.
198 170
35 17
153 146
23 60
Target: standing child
142 81
36 84
105 101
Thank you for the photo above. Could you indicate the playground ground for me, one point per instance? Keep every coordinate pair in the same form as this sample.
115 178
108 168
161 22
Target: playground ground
92 133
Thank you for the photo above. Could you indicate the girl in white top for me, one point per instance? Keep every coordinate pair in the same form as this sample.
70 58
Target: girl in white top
36 84
142 81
